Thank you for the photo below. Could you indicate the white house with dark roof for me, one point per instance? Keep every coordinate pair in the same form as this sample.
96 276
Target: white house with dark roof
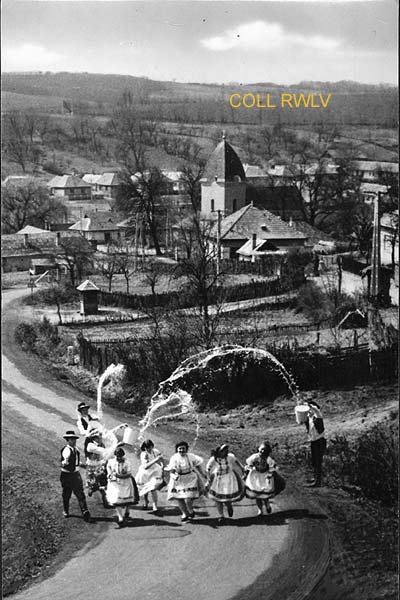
374 170
370 191
99 227
257 226
69 187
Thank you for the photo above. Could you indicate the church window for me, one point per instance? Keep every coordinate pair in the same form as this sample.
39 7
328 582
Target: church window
212 205
234 205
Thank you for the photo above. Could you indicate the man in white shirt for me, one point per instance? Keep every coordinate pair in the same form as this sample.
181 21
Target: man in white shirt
315 429
71 480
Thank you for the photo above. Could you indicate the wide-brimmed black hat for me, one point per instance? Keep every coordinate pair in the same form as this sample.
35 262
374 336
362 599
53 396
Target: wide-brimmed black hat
70 434
82 405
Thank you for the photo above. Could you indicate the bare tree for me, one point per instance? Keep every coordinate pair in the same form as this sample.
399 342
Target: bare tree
125 265
109 264
28 204
142 192
18 140
204 279
77 253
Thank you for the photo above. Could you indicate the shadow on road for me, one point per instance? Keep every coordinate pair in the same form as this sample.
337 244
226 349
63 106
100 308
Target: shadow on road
278 518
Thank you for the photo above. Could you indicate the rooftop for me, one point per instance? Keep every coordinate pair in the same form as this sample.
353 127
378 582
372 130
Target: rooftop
224 164
97 221
67 181
243 223
109 179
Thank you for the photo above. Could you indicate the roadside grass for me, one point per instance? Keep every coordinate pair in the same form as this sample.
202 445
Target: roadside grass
35 538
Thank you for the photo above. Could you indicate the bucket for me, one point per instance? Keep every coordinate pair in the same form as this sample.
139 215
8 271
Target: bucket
301 412
129 436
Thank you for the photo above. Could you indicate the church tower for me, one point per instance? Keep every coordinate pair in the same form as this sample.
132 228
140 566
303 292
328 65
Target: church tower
223 185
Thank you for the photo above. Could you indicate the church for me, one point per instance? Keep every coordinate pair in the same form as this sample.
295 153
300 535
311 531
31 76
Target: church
252 218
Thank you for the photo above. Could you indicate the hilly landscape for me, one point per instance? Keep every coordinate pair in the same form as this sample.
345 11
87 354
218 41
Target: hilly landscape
351 104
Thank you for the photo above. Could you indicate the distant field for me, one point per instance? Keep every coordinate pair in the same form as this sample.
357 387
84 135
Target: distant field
13 101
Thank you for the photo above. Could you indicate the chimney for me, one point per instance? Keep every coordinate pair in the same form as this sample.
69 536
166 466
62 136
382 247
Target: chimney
253 241
58 238
291 222
26 243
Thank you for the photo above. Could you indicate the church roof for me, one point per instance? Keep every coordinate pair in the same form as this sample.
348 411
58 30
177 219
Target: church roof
224 164
250 219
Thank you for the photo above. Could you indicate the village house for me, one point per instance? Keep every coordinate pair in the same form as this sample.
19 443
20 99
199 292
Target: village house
98 228
252 230
374 171
370 191
174 183
31 248
91 179
109 184
69 187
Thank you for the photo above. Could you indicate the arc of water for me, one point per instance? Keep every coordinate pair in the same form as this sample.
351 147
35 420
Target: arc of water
202 359
174 404
168 392
114 372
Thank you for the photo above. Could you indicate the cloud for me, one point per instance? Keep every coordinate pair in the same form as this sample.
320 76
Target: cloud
29 57
261 35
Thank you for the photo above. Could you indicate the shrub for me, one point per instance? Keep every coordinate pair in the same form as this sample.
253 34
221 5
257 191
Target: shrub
25 335
370 464
376 464
40 337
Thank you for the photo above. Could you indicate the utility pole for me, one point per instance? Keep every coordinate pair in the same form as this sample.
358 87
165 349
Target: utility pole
375 324
136 241
218 241
376 252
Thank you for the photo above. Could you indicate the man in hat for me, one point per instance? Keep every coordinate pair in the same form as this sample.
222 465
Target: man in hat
71 480
315 429
84 418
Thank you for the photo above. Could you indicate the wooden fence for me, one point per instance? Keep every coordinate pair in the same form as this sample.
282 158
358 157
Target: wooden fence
185 299
347 367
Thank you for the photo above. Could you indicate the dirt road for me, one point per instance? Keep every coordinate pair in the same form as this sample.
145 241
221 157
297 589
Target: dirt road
281 557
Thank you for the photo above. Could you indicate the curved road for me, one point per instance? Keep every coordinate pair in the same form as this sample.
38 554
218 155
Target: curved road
281 557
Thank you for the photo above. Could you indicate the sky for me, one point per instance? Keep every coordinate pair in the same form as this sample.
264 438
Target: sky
285 41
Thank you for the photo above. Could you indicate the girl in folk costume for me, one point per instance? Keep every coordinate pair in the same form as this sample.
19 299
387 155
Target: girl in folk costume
260 480
186 483
97 453
224 483
121 492
150 474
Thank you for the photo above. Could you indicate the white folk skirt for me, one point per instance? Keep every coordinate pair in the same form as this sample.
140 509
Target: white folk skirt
120 492
149 479
226 487
260 485
183 486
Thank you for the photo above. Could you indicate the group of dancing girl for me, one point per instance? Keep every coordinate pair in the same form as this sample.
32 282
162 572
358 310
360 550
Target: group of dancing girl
223 478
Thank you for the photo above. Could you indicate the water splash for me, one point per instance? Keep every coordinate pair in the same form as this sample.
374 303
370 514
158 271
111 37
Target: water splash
202 361
163 407
113 373
171 401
